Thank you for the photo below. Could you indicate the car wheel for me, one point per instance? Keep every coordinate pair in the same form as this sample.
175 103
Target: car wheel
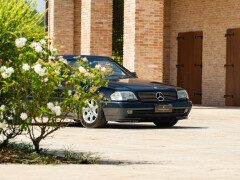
166 123
93 116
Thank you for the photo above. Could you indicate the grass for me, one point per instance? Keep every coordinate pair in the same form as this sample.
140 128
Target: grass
21 153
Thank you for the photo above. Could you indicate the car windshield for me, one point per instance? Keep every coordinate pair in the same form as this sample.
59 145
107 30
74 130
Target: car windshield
117 70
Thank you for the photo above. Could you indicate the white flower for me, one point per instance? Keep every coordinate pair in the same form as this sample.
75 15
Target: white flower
23 116
39 70
38 49
42 41
37 67
103 69
82 70
43 72
98 66
44 52
63 60
21 42
69 92
6 72
56 110
3 107
55 50
85 59
4 75
57 71
10 117
51 58
58 113
50 105
3 125
46 80
9 70
26 67
3 69
34 44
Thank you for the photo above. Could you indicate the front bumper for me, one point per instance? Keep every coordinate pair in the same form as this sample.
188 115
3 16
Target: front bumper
143 112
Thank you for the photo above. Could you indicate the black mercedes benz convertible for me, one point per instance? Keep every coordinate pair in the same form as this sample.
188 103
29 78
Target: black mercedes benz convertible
133 99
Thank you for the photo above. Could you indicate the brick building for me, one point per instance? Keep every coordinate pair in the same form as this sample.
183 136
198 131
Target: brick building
193 44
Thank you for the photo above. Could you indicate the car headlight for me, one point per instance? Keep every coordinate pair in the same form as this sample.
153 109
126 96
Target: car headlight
123 96
182 94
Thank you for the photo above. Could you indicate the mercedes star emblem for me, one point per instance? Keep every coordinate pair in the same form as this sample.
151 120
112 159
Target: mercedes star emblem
160 96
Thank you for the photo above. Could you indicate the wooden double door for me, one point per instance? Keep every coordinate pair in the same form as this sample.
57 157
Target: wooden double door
233 68
189 74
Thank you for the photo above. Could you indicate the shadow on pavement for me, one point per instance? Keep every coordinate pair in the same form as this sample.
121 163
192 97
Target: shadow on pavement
126 163
137 126
102 161
217 107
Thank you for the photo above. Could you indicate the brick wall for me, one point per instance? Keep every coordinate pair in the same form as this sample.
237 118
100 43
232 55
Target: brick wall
129 35
166 41
85 27
77 27
213 18
143 38
61 24
96 36
50 18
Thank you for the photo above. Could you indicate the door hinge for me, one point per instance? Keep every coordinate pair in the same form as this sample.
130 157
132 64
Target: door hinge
228 96
181 65
231 34
229 65
198 37
180 37
198 94
198 65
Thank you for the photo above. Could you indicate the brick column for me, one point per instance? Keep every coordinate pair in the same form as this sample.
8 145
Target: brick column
77 27
143 38
96 31
61 24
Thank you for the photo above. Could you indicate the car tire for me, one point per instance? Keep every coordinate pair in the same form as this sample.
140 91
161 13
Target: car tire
93 116
166 123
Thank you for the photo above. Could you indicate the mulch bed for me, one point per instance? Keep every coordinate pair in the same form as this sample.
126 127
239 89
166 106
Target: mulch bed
21 156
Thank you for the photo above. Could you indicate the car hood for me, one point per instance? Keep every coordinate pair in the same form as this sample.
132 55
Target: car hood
135 84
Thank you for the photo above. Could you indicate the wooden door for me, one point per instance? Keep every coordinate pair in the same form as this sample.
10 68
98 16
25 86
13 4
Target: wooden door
233 68
190 64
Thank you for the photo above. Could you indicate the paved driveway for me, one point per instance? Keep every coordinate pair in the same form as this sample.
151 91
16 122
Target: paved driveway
207 146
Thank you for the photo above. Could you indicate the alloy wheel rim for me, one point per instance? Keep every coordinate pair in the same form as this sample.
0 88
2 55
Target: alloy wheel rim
90 113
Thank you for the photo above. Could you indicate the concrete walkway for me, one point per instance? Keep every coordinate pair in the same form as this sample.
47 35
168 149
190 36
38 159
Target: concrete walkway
207 146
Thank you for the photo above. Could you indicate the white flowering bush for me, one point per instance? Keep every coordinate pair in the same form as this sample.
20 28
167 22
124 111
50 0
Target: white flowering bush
44 90
38 90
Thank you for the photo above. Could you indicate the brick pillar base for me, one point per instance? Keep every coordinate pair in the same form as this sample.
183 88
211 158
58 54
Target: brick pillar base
96 32
143 38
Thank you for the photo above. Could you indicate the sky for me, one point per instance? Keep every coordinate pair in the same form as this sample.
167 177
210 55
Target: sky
40 5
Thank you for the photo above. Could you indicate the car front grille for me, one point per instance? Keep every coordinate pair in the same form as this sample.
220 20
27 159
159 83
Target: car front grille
169 96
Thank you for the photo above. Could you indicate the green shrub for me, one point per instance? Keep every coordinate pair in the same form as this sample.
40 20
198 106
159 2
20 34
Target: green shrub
18 18
31 77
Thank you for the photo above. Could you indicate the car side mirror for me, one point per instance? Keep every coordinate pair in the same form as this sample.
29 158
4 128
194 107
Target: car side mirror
135 74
